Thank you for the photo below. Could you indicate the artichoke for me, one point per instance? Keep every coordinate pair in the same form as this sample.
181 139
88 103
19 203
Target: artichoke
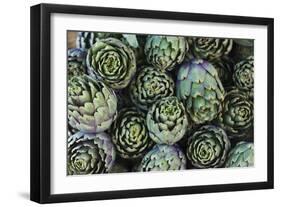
224 67
112 61
162 158
209 48
201 90
237 115
149 86
92 106
243 75
167 121
85 39
242 155
164 52
208 147
90 154
130 134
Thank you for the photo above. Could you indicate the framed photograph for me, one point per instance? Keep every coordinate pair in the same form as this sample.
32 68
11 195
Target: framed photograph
132 103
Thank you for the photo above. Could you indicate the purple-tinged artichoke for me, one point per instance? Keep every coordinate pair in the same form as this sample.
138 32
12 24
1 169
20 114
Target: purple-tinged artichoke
208 147
167 121
163 158
237 115
209 48
111 61
149 86
201 90
92 106
242 155
130 135
165 52
90 154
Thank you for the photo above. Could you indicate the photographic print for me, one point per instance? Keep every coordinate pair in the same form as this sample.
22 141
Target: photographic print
147 102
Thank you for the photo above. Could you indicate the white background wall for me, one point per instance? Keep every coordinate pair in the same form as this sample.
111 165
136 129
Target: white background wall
14 101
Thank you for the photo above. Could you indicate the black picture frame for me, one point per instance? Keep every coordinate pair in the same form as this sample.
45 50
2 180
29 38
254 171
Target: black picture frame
41 99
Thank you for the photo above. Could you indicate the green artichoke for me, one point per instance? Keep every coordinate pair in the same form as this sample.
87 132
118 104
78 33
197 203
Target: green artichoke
90 154
149 86
92 106
224 67
243 75
130 134
111 61
167 121
209 48
208 147
76 62
162 158
237 115
165 52
242 155
201 90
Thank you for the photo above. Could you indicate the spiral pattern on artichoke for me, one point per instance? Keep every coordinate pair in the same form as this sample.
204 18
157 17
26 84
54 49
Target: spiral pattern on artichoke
149 86
130 134
167 121
209 48
201 90
208 147
165 52
237 115
243 75
90 154
92 106
242 155
162 158
112 61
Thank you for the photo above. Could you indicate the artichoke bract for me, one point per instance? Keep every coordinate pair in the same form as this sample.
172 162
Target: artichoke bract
92 106
167 121
130 135
208 147
237 115
201 90
165 52
111 61
90 154
242 155
162 158
243 75
149 86
209 48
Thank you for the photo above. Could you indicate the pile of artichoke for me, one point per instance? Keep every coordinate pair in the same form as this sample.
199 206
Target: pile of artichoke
139 103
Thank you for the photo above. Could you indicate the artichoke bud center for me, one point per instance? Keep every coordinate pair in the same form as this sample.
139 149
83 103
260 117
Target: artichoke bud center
134 130
170 109
80 164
